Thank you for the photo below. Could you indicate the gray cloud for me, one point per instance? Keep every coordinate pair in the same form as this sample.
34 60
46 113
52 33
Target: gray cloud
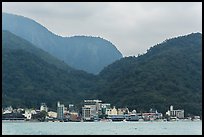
132 27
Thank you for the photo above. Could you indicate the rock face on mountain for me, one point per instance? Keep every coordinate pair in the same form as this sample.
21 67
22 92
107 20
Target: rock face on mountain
87 53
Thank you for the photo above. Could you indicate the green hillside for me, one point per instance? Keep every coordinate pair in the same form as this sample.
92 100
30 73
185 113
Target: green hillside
32 76
169 73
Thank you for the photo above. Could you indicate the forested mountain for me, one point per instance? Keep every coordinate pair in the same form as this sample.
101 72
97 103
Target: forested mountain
31 76
170 73
86 53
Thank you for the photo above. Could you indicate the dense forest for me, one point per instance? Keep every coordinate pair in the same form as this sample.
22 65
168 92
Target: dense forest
28 79
170 73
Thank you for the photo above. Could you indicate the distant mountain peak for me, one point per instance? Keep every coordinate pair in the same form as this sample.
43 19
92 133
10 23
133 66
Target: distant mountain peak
90 54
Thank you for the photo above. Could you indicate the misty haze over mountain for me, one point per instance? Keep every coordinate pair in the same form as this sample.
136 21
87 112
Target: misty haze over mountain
87 53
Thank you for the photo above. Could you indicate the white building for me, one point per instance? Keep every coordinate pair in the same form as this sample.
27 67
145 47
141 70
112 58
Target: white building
8 110
43 107
29 112
175 113
134 112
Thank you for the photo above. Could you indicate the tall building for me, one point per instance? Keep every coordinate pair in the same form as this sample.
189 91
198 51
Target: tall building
91 109
86 113
60 111
71 108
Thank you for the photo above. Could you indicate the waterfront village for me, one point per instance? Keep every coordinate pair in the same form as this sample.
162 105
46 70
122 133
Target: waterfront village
92 110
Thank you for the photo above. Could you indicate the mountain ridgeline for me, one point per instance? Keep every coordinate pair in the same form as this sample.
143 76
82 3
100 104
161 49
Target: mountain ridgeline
169 73
31 76
35 69
87 53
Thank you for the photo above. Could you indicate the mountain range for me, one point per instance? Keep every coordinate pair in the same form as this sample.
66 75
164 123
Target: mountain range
170 73
87 53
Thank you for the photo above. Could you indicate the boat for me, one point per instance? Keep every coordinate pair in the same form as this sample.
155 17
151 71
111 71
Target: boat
174 119
196 118
117 117
132 117
105 120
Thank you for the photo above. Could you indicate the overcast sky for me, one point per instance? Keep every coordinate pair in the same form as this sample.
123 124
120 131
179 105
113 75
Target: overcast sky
132 27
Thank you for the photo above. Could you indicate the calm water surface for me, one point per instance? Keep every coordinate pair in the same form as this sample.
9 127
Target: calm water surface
102 128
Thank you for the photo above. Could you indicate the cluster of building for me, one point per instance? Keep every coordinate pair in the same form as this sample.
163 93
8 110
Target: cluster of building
92 110
64 113
175 114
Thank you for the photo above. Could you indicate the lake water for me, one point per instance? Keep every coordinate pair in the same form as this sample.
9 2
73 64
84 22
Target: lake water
102 128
